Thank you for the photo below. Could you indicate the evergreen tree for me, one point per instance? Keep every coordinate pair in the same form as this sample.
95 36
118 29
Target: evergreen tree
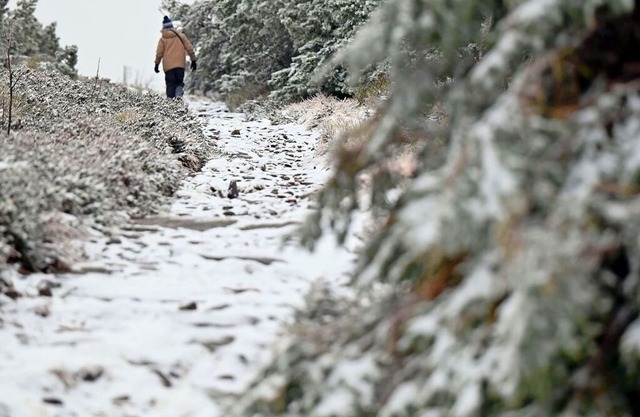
318 29
3 9
26 29
30 39
258 45
49 43
251 48
66 60
203 28
505 282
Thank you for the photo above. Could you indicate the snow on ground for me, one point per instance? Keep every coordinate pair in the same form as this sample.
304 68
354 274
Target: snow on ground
176 314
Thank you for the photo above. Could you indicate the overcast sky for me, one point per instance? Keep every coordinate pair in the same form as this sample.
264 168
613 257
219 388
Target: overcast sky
118 32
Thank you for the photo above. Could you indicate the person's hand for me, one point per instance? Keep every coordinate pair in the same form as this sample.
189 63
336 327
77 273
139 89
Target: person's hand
193 65
156 69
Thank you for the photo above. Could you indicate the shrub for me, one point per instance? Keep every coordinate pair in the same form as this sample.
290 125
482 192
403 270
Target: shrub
92 155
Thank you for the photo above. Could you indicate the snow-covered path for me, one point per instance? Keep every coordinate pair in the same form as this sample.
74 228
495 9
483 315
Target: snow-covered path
176 314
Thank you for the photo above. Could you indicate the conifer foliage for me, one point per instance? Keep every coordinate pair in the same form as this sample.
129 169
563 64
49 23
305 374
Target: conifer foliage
255 48
29 39
505 282
318 30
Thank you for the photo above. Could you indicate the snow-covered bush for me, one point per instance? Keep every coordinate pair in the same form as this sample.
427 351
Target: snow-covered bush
93 150
92 174
504 282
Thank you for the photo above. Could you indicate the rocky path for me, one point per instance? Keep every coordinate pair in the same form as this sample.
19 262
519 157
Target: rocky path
173 316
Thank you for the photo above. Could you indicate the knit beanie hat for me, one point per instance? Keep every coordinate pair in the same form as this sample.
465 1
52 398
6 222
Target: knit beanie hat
166 23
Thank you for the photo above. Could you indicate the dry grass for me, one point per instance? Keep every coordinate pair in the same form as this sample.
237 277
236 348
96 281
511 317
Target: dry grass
335 119
128 115
347 125
140 82
370 94
21 106
249 92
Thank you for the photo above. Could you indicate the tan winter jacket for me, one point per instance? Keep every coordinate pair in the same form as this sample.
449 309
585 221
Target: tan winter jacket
171 50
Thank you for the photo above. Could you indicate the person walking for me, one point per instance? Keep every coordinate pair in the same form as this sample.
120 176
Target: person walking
172 49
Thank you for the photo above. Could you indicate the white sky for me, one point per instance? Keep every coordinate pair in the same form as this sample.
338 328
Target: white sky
118 32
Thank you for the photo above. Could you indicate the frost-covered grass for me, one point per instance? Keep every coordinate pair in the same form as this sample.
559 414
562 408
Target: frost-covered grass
88 149
335 119
347 125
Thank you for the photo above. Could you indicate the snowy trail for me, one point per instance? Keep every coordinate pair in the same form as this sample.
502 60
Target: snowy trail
181 309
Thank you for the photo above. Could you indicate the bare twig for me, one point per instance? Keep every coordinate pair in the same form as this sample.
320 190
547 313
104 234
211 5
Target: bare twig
14 79
96 85
9 41
18 76
141 83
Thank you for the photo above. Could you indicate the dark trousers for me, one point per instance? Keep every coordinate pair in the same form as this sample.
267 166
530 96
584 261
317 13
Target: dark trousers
174 79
